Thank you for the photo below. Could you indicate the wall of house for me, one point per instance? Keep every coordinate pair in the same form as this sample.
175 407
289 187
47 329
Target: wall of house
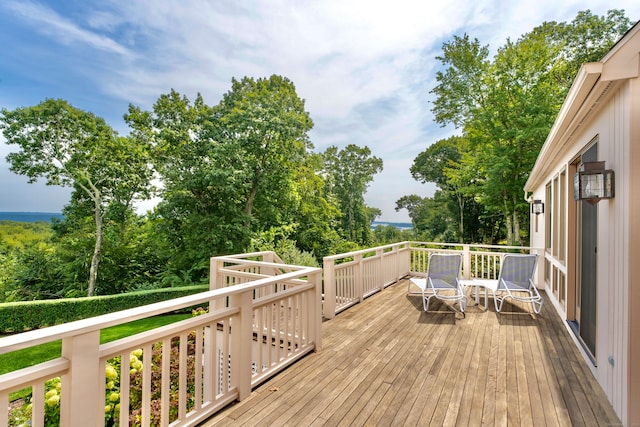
613 255
633 256
618 287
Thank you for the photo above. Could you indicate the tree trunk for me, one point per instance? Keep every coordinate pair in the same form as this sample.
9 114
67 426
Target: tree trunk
248 208
509 225
461 226
97 249
516 228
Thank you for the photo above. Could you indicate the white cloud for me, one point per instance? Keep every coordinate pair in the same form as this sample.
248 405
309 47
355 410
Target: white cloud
47 21
364 67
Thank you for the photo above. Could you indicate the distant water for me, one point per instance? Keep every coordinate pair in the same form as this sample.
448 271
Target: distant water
399 225
29 216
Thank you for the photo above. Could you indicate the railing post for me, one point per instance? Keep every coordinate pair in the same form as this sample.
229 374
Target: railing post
216 281
466 261
270 258
539 276
358 279
83 386
315 312
329 303
397 256
241 342
406 266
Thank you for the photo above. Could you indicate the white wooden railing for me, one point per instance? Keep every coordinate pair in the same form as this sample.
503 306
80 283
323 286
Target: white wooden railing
353 276
262 317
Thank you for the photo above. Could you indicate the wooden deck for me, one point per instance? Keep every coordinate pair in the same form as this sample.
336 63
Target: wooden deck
386 362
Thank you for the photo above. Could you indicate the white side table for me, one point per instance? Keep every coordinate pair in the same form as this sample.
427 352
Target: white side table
486 284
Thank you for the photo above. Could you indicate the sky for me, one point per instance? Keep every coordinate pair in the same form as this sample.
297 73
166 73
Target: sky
365 68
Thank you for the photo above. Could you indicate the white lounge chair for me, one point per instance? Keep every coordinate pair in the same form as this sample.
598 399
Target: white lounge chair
441 280
515 281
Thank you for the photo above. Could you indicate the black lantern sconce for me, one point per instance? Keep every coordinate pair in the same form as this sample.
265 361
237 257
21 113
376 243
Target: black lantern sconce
593 182
537 207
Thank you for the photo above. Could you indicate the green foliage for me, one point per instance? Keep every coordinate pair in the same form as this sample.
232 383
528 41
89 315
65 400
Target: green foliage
21 415
18 235
70 147
504 108
23 248
133 256
386 234
277 240
231 174
20 316
231 170
348 173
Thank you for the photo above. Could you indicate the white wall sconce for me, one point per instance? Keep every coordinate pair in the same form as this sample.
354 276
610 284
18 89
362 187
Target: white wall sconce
537 207
593 182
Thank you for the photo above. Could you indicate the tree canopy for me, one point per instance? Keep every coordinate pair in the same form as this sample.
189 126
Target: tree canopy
503 108
348 173
70 147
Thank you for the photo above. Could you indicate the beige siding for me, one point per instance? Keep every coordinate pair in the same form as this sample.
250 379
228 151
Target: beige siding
633 257
618 243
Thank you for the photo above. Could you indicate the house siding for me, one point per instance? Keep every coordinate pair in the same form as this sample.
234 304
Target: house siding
618 290
633 258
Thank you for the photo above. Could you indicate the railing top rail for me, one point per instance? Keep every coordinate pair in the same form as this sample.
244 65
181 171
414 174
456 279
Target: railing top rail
474 245
348 254
247 255
412 244
241 261
56 332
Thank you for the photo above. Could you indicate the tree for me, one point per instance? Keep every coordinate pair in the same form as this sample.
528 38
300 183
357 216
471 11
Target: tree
195 216
505 107
71 147
413 204
430 216
348 173
229 171
440 164
265 121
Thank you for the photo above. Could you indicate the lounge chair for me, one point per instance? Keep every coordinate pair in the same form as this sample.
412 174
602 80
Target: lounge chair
515 281
441 280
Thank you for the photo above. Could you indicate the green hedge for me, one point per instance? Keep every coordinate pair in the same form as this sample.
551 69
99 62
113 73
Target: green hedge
26 315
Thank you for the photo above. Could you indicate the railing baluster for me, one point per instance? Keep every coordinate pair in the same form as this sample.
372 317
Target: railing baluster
165 387
4 409
198 369
37 404
183 349
146 385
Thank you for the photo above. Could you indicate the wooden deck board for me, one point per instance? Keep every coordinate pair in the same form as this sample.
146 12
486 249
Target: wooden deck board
386 362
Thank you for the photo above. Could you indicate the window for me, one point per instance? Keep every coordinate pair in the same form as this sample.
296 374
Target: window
548 217
562 216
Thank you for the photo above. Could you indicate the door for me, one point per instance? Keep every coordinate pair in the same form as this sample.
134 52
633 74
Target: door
588 250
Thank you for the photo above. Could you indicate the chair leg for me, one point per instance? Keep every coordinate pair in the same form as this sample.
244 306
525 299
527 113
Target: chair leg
537 306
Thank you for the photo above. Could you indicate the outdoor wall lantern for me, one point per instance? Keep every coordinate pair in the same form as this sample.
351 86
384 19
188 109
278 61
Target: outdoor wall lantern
593 183
537 207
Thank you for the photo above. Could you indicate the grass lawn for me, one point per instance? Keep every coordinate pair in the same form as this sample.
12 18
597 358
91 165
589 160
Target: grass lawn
41 353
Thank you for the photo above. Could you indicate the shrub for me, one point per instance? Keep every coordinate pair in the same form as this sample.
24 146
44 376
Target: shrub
25 315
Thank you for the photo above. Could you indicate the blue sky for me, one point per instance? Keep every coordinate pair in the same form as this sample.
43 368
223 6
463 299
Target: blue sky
364 67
